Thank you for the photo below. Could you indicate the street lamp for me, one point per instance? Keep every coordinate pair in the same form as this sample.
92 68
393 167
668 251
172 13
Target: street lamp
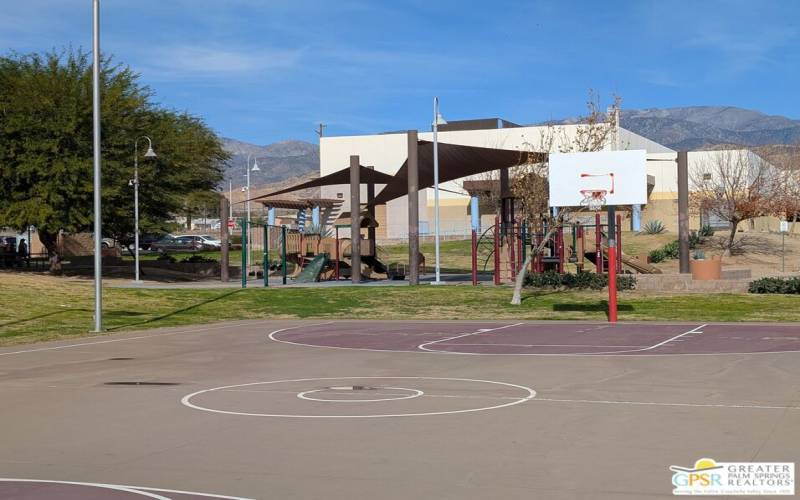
247 224
437 120
135 182
98 213
247 172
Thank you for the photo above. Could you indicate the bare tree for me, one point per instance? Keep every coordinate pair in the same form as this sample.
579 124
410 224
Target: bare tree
596 131
734 186
785 198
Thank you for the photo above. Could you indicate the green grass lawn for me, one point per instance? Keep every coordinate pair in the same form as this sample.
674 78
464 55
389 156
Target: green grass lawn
38 307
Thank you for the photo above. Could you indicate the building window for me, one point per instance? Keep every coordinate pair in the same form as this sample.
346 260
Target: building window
706 177
340 195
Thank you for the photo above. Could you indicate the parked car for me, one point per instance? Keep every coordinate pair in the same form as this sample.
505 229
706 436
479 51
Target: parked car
180 244
147 240
206 239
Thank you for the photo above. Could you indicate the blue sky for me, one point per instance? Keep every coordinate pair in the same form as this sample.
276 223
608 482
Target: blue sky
268 70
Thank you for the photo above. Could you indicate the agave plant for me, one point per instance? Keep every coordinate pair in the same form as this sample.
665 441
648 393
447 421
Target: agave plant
654 226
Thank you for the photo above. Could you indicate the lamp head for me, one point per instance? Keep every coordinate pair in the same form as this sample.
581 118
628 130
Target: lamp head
255 166
150 153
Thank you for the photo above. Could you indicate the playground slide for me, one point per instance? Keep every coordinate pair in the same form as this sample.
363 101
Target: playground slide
637 265
312 270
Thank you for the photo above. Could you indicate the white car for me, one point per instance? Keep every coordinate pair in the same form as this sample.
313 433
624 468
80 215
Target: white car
208 241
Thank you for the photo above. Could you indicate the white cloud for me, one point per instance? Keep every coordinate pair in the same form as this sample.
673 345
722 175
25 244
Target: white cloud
185 61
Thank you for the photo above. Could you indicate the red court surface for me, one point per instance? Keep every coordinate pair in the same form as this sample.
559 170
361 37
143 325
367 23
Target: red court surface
509 338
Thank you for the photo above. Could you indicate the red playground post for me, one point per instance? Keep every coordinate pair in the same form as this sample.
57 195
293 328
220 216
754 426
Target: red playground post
497 250
612 267
474 258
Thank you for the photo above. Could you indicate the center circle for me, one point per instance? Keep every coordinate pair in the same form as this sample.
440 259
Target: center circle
411 393
386 395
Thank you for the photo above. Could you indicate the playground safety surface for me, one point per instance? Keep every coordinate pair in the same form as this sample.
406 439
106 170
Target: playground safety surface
394 409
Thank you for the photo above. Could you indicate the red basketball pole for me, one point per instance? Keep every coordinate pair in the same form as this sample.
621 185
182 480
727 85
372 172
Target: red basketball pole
474 258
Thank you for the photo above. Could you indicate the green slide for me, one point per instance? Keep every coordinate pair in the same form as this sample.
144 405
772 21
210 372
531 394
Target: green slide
311 272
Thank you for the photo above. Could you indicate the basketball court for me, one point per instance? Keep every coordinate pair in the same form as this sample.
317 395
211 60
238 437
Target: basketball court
394 409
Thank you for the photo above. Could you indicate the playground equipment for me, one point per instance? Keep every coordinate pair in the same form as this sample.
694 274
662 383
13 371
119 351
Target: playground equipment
579 244
310 257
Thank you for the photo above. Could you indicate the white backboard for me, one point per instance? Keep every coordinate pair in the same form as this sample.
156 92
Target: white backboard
621 174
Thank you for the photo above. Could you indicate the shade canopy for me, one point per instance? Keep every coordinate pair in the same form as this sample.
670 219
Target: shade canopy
367 175
299 203
455 162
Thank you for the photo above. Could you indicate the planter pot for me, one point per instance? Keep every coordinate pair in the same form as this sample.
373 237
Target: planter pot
708 269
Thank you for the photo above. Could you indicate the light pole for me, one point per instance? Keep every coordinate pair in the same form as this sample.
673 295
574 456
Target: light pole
149 154
437 120
247 170
98 213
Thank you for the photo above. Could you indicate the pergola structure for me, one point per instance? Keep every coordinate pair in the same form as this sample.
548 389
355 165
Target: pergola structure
455 162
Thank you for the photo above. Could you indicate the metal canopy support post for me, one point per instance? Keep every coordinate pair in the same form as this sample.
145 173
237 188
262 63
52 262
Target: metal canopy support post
283 254
413 209
683 210
265 267
506 208
355 219
224 258
371 207
244 253
98 213
612 265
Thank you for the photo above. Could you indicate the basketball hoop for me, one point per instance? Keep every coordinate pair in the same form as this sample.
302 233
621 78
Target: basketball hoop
593 199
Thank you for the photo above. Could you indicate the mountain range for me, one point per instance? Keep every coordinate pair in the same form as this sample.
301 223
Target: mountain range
684 128
276 162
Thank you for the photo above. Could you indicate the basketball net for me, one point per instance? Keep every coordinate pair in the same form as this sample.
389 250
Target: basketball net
593 199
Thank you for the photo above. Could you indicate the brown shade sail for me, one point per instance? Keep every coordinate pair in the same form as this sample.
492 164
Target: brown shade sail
299 203
455 162
367 175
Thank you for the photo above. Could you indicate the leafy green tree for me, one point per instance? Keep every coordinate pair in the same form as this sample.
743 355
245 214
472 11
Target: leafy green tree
46 148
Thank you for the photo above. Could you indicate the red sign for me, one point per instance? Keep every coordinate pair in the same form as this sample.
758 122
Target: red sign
231 224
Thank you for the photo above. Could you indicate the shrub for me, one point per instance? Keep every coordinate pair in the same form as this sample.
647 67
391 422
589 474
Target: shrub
699 255
672 250
654 226
657 255
706 231
775 285
166 257
695 240
578 281
197 258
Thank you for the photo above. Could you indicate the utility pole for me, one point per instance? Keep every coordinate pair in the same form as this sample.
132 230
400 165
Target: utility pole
321 131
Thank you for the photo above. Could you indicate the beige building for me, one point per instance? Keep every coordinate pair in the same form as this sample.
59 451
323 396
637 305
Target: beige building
387 152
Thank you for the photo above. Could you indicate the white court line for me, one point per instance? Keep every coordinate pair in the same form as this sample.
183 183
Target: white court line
652 403
126 488
70 346
423 346
186 400
273 337
546 345
671 339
